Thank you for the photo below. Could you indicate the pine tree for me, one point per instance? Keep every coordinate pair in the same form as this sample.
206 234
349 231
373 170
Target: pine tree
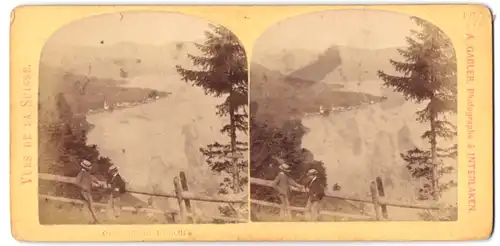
428 76
69 135
419 163
223 72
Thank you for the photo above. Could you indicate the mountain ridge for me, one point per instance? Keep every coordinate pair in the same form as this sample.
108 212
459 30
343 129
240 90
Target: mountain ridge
280 97
346 64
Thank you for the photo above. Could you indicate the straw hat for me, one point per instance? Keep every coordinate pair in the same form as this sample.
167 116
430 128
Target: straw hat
312 172
86 164
284 167
112 169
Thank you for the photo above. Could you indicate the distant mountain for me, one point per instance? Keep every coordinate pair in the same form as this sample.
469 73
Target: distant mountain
280 97
89 93
320 67
121 60
337 64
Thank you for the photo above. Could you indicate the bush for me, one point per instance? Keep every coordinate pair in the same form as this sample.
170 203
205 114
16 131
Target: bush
270 141
64 141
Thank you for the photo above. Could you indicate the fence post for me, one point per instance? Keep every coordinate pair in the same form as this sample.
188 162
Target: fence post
185 187
173 215
178 193
381 193
373 190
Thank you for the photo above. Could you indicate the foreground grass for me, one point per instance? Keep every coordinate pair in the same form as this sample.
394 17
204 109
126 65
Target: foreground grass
56 212
53 212
268 214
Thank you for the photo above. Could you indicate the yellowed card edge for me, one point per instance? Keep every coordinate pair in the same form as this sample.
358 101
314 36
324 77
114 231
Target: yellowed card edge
31 26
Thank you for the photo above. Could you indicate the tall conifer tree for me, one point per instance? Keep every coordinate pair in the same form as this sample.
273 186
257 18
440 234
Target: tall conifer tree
428 76
222 72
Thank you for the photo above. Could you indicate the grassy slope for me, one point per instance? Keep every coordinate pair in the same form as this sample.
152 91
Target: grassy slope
53 212
264 213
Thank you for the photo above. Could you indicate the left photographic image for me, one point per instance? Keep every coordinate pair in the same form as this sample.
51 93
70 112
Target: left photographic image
143 119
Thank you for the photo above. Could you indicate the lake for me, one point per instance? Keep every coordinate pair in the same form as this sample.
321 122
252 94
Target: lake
152 143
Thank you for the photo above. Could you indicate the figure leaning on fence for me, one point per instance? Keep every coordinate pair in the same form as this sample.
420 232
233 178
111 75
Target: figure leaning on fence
117 187
282 184
87 182
316 192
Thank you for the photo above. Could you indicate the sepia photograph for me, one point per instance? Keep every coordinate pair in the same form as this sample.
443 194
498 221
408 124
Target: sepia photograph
143 120
212 123
353 118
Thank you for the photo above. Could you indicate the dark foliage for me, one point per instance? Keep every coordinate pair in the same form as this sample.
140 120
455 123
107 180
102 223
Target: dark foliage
67 134
269 141
428 75
223 73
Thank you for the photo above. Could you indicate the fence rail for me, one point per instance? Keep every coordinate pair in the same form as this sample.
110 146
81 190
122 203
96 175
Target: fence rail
268 183
378 200
182 194
184 198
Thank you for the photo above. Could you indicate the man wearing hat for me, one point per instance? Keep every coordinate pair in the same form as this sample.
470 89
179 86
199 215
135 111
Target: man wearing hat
86 182
282 184
316 192
117 187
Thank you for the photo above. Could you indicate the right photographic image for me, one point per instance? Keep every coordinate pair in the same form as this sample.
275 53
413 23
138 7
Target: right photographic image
353 118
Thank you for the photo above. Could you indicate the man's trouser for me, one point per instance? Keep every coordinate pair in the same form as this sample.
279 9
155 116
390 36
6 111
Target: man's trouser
87 197
285 204
312 209
113 204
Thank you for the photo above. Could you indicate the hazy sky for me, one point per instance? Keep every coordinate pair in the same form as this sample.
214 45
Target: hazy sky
137 27
356 28
315 31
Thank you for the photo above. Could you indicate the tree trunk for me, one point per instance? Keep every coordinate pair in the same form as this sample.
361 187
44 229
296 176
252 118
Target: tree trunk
236 186
435 167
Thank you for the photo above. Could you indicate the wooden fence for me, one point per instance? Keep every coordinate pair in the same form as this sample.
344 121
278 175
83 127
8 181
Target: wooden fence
378 200
181 194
